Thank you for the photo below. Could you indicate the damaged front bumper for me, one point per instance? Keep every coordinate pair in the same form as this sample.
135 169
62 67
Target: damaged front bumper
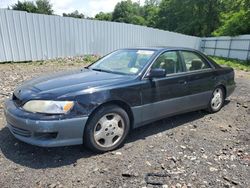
44 133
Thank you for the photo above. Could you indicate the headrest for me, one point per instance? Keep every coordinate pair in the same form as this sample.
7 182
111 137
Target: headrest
196 64
169 61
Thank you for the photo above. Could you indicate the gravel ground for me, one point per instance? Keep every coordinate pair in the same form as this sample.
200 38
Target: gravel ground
196 149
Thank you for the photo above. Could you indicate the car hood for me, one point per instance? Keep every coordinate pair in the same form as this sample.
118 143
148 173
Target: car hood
65 83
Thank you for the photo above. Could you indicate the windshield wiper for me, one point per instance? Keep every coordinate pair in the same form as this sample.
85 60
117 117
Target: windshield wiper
102 70
109 71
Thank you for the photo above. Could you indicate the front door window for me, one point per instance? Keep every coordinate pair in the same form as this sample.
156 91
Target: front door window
169 61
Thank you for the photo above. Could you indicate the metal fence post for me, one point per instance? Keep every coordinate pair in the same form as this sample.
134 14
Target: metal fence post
229 49
215 46
202 45
248 53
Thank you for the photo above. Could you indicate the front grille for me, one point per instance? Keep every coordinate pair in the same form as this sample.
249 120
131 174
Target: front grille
21 132
16 100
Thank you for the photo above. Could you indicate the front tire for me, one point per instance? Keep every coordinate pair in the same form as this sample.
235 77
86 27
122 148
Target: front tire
107 129
217 100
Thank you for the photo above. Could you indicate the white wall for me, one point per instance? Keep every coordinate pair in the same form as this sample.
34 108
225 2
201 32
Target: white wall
30 37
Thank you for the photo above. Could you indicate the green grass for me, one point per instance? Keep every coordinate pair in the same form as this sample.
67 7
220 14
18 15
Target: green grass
236 64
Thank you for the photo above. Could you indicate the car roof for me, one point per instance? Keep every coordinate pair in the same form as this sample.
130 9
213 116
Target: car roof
161 48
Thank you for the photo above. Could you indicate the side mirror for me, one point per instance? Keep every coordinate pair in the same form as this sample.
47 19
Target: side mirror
157 73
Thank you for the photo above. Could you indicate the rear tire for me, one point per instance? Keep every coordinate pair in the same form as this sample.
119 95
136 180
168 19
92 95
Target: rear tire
107 129
217 100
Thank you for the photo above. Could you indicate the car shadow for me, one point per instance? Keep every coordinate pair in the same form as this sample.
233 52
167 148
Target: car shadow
40 158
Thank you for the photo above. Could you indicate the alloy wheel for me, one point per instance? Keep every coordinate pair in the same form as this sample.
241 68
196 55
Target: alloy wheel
217 99
109 130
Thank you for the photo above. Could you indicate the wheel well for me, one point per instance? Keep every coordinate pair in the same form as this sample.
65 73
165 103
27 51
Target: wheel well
121 104
224 89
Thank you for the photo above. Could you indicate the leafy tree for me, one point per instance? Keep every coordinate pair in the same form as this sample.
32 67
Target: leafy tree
104 16
40 7
235 18
233 24
44 7
74 14
193 17
27 6
138 20
128 12
151 9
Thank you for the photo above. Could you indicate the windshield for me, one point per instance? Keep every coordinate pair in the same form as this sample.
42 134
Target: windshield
129 62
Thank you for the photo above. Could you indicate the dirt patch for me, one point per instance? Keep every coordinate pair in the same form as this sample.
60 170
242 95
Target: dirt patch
196 149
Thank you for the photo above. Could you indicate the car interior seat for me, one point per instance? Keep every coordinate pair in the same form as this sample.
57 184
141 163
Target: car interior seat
196 64
169 66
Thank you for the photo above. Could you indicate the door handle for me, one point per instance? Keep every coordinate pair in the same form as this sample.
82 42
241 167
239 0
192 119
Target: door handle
184 82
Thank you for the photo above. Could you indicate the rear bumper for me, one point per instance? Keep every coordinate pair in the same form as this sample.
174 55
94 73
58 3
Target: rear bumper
44 133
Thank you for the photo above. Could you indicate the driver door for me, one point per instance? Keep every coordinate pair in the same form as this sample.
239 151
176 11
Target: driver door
165 96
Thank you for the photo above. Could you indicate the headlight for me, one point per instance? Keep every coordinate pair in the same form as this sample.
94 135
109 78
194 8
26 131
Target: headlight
48 107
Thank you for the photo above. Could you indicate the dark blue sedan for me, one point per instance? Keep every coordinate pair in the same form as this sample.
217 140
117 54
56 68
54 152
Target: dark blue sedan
99 105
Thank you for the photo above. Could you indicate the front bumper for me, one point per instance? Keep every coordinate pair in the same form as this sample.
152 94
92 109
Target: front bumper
44 133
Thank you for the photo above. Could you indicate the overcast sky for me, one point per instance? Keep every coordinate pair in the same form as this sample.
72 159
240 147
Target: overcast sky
87 7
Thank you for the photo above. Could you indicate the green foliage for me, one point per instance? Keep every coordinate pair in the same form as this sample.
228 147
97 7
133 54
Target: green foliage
90 58
28 6
234 24
237 64
151 10
104 16
128 12
44 7
137 20
190 17
74 14
40 7
236 20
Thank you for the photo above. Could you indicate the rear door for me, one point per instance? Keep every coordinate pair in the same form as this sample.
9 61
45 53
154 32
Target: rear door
201 79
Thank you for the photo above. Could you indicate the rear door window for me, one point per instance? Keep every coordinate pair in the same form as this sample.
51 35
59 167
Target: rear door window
193 61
